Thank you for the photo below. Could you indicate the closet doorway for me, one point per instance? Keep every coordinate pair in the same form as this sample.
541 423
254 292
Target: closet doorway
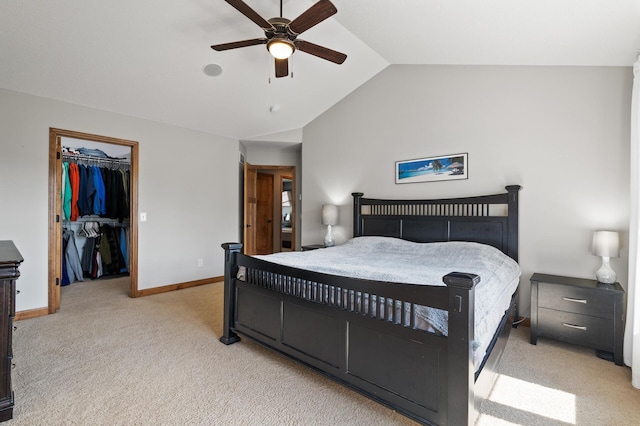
57 216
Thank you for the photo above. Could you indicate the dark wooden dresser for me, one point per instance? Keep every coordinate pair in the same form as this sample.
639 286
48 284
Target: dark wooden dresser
579 311
10 260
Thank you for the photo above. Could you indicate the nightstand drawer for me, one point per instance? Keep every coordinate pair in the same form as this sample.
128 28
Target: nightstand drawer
575 328
576 300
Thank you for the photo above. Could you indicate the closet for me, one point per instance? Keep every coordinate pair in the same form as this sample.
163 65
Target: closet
93 197
95 210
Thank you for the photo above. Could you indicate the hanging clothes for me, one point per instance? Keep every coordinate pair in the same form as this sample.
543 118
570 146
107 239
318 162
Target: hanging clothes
88 257
66 193
94 190
74 178
72 258
105 253
64 280
117 203
97 271
86 190
90 190
125 185
112 259
99 207
123 249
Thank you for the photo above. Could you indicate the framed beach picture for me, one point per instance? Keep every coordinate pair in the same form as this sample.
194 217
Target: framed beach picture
432 169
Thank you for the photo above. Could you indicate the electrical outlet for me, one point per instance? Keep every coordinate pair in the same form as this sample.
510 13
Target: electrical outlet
200 261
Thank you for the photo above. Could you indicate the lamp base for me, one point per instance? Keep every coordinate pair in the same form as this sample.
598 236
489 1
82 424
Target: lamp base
328 239
605 274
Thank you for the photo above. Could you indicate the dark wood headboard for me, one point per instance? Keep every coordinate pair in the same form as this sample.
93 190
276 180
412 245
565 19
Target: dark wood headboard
487 219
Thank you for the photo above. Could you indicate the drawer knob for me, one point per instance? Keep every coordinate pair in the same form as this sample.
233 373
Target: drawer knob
571 299
577 327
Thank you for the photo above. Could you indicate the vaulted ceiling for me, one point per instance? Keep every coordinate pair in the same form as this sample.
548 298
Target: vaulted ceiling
146 58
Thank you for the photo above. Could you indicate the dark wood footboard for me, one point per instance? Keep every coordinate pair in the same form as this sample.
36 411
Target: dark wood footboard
321 320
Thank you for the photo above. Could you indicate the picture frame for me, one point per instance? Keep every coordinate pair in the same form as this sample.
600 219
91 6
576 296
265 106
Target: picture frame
433 169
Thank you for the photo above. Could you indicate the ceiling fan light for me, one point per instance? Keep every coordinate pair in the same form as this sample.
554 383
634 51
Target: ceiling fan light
280 48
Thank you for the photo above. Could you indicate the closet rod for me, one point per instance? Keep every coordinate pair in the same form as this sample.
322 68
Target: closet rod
82 219
82 157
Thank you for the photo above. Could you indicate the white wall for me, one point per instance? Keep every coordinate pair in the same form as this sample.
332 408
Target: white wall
188 184
560 132
273 154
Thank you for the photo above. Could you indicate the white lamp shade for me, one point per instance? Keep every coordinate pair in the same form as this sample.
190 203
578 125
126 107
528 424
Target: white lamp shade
329 214
606 244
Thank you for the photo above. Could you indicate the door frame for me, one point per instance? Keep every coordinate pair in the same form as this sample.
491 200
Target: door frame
55 210
250 183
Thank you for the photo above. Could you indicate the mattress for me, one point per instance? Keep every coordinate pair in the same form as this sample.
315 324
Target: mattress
395 260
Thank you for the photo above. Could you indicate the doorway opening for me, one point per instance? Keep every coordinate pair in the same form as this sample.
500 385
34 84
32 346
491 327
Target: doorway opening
269 222
287 243
113 222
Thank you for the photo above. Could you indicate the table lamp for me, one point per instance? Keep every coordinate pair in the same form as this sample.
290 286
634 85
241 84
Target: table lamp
329 218
607 245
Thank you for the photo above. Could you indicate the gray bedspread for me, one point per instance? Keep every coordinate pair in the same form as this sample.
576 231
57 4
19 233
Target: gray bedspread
396 260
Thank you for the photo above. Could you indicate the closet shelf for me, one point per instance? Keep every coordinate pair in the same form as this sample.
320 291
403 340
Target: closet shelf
92 160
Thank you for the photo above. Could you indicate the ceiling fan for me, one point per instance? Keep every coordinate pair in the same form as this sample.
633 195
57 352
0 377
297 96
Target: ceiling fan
281 34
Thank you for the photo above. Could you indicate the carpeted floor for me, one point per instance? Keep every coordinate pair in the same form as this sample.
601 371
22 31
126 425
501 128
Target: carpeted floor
107 359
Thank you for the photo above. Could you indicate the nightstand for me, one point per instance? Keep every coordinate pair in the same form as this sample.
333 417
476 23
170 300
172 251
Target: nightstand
312 247
579 311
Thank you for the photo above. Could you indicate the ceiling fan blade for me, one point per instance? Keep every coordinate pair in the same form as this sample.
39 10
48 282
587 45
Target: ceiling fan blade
282 68
243 8
313 16
237 44
320 52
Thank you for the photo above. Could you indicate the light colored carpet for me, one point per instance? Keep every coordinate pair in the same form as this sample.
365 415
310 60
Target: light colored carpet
107 359
554 383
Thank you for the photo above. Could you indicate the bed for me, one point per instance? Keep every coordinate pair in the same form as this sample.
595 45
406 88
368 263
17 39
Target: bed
365 333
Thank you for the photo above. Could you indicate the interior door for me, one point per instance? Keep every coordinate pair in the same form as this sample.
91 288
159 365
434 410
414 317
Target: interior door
250 208
264 214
